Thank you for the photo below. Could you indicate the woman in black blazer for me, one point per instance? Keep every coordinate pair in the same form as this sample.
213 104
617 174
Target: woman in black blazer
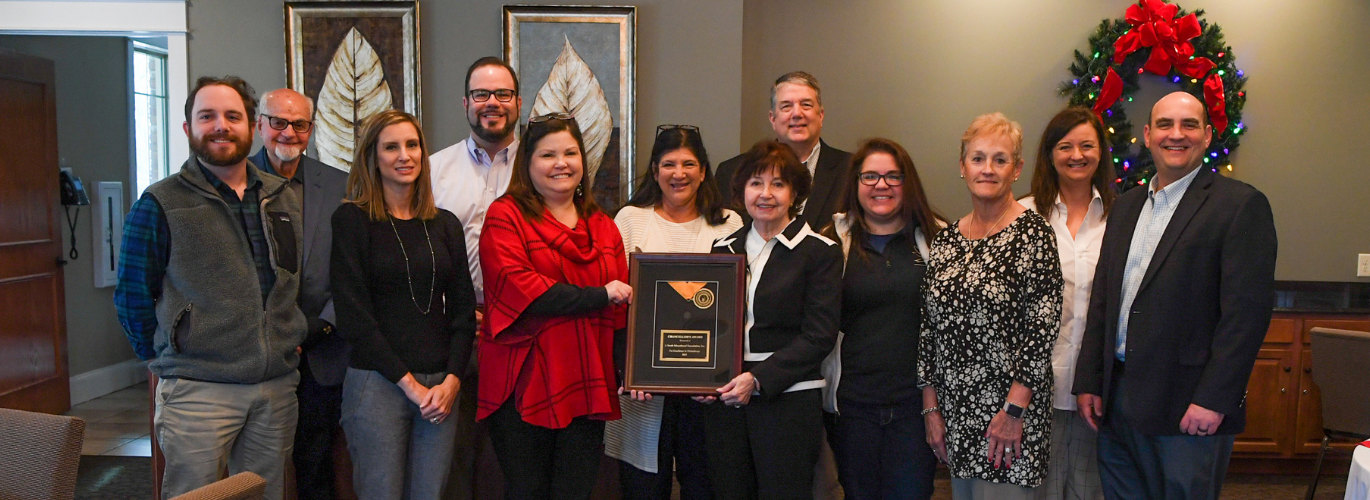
763 440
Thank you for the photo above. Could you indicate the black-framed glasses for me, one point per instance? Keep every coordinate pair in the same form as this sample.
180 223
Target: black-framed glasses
687 128
501 95
300 126
551 116
891 179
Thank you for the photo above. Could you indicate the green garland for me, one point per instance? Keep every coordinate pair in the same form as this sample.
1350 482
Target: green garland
1134 167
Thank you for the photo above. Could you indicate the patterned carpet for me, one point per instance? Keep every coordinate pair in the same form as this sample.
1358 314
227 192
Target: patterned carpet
109 477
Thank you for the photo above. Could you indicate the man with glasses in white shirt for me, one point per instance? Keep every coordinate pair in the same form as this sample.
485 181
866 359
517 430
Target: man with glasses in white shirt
467 177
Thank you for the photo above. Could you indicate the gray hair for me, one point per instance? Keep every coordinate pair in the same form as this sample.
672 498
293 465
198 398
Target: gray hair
797 78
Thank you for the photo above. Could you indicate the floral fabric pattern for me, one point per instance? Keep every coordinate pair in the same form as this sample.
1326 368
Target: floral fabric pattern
992 311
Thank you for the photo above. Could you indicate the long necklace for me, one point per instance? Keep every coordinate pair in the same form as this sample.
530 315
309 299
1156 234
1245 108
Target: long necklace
976 244
432 259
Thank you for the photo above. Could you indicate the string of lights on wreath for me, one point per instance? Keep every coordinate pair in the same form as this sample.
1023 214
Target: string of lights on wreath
1162 39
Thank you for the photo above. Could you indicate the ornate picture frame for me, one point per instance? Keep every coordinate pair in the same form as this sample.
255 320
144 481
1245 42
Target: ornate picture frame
582 60
354 59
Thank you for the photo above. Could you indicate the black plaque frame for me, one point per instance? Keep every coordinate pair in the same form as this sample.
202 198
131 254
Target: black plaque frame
725 276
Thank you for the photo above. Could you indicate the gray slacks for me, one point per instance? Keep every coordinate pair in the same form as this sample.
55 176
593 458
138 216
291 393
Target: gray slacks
1073 471
208 430
396 453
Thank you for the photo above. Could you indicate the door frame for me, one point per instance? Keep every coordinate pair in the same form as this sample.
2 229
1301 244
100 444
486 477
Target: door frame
113 18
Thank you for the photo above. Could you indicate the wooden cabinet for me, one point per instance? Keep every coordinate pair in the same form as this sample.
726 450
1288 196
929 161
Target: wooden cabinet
1283 405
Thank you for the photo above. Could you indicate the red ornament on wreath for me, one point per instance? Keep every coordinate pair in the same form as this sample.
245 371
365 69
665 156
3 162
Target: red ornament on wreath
1160 38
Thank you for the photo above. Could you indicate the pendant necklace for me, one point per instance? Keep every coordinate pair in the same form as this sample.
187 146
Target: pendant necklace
432 259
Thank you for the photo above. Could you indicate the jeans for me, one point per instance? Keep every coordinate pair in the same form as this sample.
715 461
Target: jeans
882 451
396 453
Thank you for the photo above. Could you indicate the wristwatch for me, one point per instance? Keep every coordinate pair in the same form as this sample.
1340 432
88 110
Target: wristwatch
1013 410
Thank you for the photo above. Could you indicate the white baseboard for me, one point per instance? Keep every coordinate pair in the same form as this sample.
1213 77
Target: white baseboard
102 381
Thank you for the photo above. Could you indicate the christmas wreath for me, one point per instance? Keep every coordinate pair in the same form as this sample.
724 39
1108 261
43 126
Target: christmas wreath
1163 39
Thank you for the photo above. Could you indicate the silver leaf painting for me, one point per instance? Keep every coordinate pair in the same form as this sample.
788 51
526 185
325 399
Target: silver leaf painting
582 61
354 59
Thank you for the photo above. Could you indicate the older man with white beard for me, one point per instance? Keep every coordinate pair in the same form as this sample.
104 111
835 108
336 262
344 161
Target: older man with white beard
467 177
285 126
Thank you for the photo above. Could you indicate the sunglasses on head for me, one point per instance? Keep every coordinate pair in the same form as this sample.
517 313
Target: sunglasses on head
551 116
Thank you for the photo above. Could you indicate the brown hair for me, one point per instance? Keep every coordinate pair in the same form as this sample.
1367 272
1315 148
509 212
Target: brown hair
521 188
1046 183
914 207
490 61
773 156
364 181
244 90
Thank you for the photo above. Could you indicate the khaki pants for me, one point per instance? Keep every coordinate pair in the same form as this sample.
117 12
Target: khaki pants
207 429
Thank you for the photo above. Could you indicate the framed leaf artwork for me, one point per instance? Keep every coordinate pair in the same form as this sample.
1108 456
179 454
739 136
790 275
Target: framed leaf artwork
582 61
355 59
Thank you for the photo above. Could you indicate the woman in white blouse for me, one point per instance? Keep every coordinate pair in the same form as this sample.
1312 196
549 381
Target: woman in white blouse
676 208
1073 187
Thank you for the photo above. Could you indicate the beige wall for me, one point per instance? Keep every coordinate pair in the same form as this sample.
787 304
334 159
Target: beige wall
918 72
689 57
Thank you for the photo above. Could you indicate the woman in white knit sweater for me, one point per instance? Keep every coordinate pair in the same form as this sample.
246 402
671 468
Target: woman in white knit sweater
676 208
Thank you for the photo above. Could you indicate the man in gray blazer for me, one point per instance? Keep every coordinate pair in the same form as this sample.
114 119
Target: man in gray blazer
284 126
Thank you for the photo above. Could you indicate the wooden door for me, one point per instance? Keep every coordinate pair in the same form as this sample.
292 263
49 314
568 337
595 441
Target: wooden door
1269 401
33 332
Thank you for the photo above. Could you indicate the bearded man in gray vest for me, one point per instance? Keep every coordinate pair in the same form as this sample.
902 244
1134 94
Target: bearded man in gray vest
209 276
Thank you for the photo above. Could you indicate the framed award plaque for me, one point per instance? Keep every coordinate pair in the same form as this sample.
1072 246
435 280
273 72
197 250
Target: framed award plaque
685 324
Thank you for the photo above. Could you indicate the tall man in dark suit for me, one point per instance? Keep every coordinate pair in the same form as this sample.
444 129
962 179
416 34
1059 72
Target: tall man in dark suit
797 117
284 127
1181 303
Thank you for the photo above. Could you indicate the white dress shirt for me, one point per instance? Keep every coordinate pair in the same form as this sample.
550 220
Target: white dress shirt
466 180
1079 256
812 163
1151 223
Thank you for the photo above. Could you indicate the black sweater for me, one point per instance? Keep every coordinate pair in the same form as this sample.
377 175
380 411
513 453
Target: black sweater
882 306
372 293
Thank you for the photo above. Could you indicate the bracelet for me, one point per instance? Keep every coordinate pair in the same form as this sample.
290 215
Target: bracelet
931 409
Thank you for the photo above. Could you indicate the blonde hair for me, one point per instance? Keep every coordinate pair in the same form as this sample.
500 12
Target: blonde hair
994 124
364 181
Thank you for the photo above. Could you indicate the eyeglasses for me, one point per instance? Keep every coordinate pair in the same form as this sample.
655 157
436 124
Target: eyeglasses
551 116
687 128
300 126
501 95
891 179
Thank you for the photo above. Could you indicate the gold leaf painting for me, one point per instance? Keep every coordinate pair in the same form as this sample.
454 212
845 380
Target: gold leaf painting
353 90
572 88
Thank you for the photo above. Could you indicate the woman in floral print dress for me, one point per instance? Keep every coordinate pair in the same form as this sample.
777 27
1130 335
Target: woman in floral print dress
992 308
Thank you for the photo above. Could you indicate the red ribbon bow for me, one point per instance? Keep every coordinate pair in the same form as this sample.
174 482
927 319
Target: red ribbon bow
1217 105
1154 25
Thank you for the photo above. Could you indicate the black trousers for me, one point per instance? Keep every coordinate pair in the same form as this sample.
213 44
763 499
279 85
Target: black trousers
546 464
767 449
679 447
1133 465
320 410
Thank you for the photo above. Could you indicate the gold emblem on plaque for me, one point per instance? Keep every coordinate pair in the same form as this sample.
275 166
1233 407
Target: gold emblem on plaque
694 291
704 298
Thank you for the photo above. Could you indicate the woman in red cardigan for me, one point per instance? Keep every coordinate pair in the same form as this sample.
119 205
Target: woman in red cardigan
554 293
